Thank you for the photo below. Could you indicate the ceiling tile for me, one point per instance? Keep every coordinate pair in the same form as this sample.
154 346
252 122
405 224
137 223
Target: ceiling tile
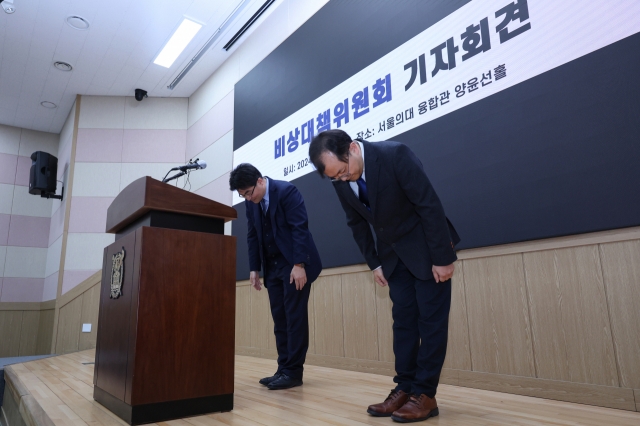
8 101
69 44
96 90
116 57
140 58
106 75
7 116
24 120
78 86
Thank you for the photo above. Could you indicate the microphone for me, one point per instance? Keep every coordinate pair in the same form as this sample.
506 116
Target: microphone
183 169
195 165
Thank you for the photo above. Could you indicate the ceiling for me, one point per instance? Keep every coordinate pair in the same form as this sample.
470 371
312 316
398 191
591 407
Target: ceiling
112 58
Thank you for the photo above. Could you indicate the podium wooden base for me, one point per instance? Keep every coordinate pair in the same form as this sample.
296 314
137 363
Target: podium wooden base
163 411
165 344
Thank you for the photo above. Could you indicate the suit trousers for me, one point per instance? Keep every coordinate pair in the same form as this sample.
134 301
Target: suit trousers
290 317
420 330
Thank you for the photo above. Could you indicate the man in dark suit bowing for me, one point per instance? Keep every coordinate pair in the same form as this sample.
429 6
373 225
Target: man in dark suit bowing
281 245
383 186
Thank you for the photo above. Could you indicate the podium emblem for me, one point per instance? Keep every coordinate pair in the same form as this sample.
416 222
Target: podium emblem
117 274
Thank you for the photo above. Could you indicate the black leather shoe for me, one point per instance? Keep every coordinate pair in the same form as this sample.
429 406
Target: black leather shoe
284 382
268 380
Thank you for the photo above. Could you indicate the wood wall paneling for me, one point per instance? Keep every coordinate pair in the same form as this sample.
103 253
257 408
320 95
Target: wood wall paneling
458 352
385 324
243 315
69 326
10 328
557 320
312 320
585 316
359 316
29 332
271 337
89 315
24 330
570 323
499 331
261 321
603 396
329 333
546 301
621 269
45 332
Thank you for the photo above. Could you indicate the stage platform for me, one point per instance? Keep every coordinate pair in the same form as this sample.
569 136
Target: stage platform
58 391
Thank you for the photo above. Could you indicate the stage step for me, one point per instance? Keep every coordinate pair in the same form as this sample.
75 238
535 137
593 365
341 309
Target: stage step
14 360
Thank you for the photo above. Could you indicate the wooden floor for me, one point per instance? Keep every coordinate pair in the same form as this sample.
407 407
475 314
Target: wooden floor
63 387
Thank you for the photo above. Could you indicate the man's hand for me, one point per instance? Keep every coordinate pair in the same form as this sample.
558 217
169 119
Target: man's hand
442 273
299 276
378 277
254 277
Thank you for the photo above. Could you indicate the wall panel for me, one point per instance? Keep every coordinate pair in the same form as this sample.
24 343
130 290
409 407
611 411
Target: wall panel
385 324
329 319
243 315
458 352
89 315
45 332
499 331
359 316
585 316
312 321
261 321
621 269
545 306
69 326
29 332
10 328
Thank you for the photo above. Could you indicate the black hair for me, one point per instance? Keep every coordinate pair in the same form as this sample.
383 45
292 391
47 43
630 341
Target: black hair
244 176
335 141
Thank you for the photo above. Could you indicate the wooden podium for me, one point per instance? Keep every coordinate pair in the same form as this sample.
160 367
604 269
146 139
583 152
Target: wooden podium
166 329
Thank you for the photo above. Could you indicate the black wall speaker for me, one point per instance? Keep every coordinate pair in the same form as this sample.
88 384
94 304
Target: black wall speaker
44 170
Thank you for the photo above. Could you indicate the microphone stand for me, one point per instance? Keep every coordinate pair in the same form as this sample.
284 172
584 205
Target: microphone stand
176 176
182 172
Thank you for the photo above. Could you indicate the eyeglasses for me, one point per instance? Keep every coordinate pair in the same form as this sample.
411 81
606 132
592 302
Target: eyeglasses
344 175
247 195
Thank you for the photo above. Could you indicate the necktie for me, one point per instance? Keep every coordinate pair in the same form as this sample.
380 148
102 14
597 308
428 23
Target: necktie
363 196
264 207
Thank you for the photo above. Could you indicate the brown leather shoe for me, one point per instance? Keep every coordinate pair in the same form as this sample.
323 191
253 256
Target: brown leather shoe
394 401
416 409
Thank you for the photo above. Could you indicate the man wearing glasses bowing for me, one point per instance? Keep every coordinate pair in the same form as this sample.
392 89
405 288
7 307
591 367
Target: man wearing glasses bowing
383 186
281 245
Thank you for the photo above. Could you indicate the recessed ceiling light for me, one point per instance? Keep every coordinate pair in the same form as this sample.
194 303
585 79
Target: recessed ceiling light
78 23
177 43
48 104
62 66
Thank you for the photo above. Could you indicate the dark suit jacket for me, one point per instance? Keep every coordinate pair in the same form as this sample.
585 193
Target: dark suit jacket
289 221
406 214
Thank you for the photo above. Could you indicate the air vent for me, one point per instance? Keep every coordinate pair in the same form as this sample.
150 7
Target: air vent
62 66
78 23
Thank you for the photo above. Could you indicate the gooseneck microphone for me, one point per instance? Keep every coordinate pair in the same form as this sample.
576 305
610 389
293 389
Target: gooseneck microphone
194 165
191 165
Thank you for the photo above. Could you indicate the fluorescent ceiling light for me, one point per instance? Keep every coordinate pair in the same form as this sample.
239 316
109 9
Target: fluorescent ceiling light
177 43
